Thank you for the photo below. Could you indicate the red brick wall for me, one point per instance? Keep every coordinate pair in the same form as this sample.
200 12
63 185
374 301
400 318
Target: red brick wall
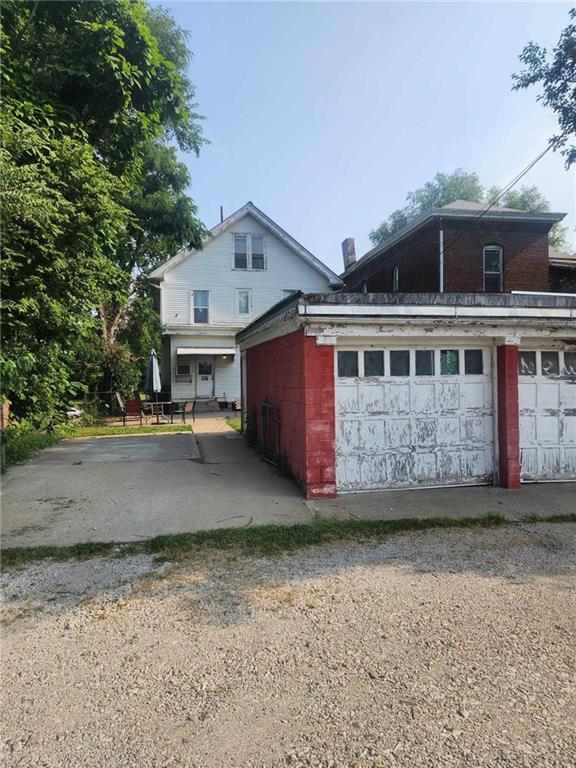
525 256
525 249
298 377
508 417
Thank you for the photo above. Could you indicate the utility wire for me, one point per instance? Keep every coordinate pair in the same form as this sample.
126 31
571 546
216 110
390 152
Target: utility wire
506 189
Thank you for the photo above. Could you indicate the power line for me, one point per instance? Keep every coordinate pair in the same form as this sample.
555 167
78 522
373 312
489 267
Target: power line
506 189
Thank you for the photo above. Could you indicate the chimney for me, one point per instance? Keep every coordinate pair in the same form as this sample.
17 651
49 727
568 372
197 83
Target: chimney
348 252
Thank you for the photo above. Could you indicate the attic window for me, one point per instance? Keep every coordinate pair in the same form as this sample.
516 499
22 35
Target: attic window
249 252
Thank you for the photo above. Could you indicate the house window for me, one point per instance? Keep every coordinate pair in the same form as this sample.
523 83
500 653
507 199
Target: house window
240 252
347 364
257 252
183 371
249 252
395 278
492 269
200 306
244 301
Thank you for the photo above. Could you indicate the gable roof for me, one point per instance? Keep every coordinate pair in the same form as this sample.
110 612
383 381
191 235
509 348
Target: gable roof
249 209
459 209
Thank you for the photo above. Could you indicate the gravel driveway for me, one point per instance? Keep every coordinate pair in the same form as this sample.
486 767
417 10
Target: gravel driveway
451 648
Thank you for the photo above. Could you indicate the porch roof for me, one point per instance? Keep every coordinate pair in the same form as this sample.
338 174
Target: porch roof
205 350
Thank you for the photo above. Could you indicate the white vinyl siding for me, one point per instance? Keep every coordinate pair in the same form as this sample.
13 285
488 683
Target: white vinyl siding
210 269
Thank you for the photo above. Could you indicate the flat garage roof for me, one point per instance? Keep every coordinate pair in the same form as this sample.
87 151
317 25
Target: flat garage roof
205 351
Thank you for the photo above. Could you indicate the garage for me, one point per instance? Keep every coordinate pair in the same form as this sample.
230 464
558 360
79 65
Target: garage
547 402
413 416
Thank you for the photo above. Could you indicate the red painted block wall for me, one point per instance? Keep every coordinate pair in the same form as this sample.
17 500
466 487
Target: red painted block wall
508 416
297 376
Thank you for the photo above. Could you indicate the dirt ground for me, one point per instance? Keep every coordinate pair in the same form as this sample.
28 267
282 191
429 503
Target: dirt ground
447 648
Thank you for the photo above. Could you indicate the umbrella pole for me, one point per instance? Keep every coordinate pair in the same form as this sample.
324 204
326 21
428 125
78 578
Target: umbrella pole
157 411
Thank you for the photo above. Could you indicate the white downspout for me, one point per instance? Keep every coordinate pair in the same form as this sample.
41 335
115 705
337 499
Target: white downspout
441 247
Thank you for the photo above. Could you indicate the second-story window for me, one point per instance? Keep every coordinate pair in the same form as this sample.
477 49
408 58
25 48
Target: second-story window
395 278
249 252
493 272
244 301
200 303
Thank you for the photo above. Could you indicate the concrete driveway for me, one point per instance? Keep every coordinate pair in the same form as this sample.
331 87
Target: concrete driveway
130 488
134 487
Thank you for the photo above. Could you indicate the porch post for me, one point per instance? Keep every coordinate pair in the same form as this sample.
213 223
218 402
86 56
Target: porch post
508 413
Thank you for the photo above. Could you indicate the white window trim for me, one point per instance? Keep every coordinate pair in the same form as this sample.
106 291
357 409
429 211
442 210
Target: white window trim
205 290
500 273
243 314
248 236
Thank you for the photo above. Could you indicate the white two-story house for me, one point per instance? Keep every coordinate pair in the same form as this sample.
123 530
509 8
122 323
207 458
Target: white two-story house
247 265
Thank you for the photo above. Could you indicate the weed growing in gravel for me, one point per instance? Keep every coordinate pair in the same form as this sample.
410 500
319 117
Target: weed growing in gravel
262 539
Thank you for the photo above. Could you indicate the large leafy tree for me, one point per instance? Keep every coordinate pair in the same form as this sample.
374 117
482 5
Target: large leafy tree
90 93
443 189
555 73
530 199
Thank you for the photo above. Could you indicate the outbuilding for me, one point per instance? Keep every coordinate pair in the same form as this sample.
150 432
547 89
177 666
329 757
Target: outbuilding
360 392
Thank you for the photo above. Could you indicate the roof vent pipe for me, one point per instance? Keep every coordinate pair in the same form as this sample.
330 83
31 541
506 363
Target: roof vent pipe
349 252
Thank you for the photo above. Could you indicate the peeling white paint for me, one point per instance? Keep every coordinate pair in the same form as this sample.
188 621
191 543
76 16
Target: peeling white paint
548 423
414 431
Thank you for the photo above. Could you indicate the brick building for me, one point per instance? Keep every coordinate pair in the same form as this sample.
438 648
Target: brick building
455 250
355 391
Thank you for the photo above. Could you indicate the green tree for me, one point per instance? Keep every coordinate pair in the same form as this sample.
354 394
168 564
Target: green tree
443 189
530 199
84 176
555 73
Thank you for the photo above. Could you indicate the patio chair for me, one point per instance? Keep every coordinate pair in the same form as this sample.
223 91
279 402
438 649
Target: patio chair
132 410
183 409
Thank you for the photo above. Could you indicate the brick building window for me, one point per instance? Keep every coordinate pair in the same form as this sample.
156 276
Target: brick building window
493 282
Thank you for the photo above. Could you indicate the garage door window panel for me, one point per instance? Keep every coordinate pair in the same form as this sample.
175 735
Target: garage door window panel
374 363
347 365
527 363
570 364
550 363
399 362
473 362
424 362
449 362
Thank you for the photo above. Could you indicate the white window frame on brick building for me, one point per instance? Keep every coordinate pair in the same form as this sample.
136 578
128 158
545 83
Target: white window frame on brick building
493 273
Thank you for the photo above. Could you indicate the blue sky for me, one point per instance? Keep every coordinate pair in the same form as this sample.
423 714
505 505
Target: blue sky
326 114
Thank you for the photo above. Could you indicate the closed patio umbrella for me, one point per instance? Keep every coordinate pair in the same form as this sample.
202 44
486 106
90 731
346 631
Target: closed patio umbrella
152 382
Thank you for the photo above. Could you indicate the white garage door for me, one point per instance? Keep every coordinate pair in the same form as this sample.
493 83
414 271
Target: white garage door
547 414
413 417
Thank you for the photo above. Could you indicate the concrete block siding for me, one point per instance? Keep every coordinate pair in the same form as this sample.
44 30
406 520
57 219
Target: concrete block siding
298 376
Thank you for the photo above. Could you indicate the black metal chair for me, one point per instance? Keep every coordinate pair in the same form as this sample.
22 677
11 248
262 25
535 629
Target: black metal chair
182 409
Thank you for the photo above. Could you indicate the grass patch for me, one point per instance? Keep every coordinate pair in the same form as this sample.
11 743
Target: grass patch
129 429
260 539
20 444
234 422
